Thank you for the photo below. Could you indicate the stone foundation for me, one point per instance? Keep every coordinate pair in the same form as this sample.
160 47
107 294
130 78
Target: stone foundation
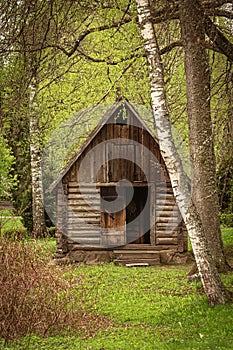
70 252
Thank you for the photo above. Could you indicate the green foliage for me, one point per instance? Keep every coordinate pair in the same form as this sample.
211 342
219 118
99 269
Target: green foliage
7 180
227 220
227 236
15 128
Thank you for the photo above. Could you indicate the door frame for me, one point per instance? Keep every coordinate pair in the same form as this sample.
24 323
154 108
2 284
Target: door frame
151 190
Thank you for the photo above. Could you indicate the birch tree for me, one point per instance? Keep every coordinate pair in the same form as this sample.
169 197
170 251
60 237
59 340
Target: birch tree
214 289
39 226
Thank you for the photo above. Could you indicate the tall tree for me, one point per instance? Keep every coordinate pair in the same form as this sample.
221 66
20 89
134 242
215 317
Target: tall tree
38 212
204 185
214 289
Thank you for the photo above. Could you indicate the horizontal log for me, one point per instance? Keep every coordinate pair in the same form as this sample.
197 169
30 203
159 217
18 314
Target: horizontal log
84 221
80 228
83 184
166 241
85 207
166 234
168 219
167 213
166 191
81 196
87 240
165 200
162 204
83 190
84 214
166 227
84 211
84 200
83 234
161 200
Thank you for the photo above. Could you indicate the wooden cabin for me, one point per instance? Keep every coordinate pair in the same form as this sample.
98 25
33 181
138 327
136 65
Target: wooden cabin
114 198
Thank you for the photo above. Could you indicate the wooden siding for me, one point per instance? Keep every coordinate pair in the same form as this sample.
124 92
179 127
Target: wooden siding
89 225
168 217
83 218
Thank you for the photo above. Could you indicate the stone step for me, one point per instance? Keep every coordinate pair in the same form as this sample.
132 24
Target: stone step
142 262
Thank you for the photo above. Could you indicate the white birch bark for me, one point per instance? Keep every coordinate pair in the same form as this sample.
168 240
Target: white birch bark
39 227
211 281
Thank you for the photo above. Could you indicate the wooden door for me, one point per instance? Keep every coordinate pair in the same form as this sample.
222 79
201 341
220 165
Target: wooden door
113 232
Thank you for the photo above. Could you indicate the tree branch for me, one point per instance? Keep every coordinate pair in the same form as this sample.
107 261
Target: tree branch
89 31
220 13
170 11
218 39
213 3
171 46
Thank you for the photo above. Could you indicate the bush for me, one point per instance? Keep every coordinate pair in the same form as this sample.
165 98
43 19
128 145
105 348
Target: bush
36 298
227 220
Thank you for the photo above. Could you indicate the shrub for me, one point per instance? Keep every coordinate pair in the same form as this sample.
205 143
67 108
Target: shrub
227 220
36 298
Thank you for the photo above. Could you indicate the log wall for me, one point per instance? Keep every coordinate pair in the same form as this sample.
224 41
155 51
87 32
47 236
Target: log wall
82 220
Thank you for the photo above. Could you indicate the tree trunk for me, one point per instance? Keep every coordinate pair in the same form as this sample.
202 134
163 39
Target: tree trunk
204 184
39 227
211 281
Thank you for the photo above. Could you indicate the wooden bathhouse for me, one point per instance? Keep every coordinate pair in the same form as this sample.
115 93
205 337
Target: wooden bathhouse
114 198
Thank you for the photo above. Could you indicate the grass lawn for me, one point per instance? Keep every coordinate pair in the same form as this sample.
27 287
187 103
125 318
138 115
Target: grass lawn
150 308
10 223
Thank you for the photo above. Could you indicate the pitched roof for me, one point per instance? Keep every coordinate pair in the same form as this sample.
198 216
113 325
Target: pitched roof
114 108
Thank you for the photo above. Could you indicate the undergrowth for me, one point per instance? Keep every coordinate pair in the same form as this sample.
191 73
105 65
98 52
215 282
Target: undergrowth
152 308
36 298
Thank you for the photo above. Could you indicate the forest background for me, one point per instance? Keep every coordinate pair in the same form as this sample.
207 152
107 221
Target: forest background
59 58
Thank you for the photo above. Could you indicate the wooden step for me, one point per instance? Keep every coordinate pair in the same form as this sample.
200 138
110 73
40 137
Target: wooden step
135 251
136 256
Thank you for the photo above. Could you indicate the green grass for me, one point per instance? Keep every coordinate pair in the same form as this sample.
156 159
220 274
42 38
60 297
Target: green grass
227 236
150 308
10 223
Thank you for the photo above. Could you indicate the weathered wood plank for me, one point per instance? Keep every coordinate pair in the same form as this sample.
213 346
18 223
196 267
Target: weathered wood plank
169 241
87 240
168 219
83 234
166 234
